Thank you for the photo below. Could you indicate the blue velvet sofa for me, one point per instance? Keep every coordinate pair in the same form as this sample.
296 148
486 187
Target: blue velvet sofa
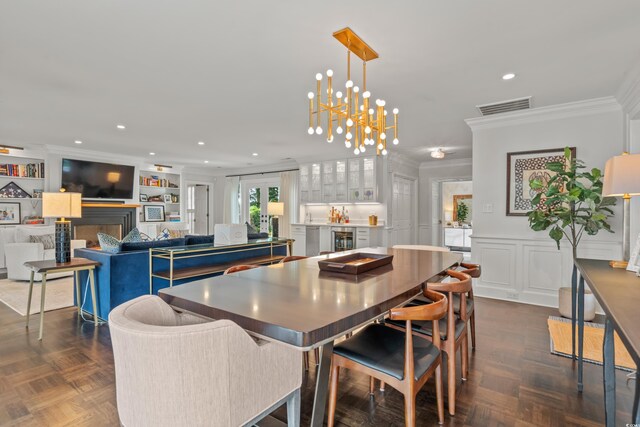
125 275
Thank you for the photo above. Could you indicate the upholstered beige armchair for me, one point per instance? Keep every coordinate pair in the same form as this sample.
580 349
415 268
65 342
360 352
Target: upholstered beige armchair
179 370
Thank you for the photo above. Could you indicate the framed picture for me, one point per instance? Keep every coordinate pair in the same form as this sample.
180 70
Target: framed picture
154 213
13 191
37 193
10 213
634 258
466 200
168 198
143 197
522 168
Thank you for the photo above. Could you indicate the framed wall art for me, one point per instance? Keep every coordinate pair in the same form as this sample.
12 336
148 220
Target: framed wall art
522 168
13 191
10 213
154 213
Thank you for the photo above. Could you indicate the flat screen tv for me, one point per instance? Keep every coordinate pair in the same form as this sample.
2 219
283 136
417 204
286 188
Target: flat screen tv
98 180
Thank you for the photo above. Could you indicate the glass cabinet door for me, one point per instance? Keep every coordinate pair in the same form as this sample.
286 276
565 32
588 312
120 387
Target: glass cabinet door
316 186
355 189
369 179
341 181
304 184
328 182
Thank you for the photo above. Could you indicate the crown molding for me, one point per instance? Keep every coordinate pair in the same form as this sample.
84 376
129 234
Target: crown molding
433 164
628 94
551 112
403 159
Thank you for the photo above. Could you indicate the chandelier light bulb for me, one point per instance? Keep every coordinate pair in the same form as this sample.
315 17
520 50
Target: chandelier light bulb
382 103
349 122
356 89
338 94
383 135
330 139
319 130
356 151
329 73
319 76
363 149
362 108
367 94
384 152
346 99
385 112
310 95
347 143
370 110
348 84
378 102
367 130
396 111
380 146
396 141
310 131
339 130
348 135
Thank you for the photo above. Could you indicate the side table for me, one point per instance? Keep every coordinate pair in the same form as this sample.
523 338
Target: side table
50 266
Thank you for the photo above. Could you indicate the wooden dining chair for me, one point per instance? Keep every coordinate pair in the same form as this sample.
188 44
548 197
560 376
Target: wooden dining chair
399 358
473 270
316 351
239 267
451 342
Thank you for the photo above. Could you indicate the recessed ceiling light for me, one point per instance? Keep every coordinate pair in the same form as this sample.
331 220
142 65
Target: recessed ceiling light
78 142
206 161
152 154
200 142
508 76
437 154
121 127
254 154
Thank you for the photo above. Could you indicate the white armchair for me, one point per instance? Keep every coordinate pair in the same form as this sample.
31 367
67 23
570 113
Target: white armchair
179 370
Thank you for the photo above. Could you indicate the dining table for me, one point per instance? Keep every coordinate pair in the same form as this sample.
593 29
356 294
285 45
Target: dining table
300 305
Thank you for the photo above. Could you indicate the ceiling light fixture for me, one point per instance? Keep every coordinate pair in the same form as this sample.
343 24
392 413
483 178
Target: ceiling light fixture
254 154
366 126
77 141
437 153
508 76
200 142
152 154
206 161
121 127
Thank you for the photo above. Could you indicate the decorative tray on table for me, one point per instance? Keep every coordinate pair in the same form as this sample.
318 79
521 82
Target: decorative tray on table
355 263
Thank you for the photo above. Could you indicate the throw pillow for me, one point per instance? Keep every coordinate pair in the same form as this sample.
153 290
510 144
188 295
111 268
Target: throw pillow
47 240
109 243
164 235
175 234
133 236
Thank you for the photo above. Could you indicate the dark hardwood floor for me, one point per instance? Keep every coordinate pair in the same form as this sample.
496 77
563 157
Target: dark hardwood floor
68 378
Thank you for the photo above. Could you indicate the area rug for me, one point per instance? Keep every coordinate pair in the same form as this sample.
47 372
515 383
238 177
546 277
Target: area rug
560 334
59 294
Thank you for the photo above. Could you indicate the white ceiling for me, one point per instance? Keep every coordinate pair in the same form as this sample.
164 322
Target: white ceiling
236 74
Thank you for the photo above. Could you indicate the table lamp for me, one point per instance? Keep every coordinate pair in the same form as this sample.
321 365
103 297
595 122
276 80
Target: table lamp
61 206
622 179
275 209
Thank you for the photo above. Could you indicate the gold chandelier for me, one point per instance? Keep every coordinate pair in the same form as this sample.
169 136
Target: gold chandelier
364 125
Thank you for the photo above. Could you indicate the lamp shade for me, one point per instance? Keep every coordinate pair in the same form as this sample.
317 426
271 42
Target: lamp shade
61 205
275 208
622 176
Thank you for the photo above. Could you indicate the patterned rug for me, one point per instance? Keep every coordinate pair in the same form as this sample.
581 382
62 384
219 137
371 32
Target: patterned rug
560 335
59 294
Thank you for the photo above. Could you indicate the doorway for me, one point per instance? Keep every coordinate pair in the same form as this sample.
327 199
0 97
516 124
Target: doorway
198 209
456 214
256 195
403 210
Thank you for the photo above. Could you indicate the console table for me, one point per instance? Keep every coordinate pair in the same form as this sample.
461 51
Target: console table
618 292
178 265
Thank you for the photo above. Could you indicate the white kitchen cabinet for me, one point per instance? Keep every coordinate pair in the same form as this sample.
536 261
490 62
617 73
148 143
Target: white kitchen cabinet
305 183
457 237
298 233
363 183
341 181
328 181
316 183
325 238
367 237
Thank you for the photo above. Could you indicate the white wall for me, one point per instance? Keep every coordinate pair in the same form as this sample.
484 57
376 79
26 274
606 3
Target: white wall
518 263
430 174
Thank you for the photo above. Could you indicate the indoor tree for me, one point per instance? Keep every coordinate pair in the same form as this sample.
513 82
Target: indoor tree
462 212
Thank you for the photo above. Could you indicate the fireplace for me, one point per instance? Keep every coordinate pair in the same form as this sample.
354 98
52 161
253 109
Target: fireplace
114 219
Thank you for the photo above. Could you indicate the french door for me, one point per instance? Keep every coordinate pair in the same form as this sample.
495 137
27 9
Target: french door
256 195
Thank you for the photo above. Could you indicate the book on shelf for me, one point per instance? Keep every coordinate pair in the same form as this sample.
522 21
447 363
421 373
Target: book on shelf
29 170
156 181
173 217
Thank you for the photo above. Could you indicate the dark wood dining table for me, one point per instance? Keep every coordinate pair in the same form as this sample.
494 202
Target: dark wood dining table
299 305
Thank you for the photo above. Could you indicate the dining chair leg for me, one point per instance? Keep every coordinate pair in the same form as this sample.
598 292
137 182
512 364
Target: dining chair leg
472 323
372 385
381 385
440 394
333 394
293 409
410 409
316 354
305 357
464 357
451 381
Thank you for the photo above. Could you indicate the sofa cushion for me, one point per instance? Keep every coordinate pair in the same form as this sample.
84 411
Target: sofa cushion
48 240
191 239
140 246
24 233
257 236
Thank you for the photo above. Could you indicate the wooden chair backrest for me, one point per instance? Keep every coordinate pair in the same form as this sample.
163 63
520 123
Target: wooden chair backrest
473 270
434 311
462 285
240 267
292 258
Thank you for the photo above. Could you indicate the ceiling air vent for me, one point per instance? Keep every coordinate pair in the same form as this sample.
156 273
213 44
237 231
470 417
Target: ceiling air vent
505 106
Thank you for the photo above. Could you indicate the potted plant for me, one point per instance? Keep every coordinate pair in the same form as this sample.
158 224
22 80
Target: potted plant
462 212
570 204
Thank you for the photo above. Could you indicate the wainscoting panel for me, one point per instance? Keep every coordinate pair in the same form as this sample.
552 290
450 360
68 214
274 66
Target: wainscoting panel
530 270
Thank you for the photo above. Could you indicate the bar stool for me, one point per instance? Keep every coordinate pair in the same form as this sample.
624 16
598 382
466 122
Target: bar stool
396 357
316 351
239 267
451 342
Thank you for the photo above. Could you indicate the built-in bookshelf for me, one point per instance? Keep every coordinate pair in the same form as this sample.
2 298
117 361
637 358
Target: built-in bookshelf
161 189
22 182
